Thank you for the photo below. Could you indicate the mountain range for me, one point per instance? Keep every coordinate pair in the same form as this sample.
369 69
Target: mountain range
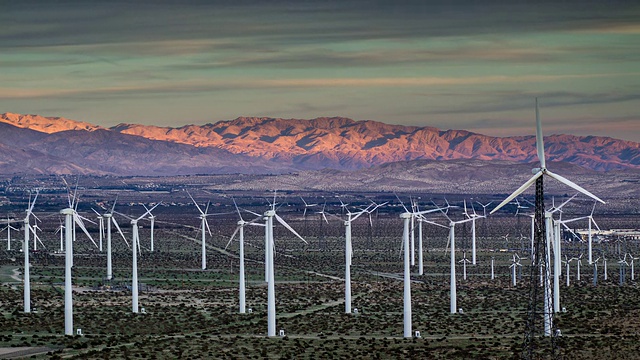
54 145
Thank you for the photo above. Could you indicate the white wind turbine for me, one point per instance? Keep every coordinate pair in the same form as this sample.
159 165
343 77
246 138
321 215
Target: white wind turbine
100 228
203 220
595 271
514 264
590 236
306 206
135 241
269 250
538 179
557 252
406 218
36 238
420 216
25 250
452 241
71 219
348 256
464 262
240 230
110 219
473 218
633 277
9 228
60 230
152 220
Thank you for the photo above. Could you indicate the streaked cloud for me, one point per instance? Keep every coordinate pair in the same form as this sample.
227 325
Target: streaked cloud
452 63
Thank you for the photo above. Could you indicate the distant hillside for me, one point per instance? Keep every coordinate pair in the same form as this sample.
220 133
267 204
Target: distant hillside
269 145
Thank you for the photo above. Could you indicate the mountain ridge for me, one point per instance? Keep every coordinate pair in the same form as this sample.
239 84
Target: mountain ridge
271 145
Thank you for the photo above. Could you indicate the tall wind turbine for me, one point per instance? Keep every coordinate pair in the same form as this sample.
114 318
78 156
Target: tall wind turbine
240 231
152 220
135 241
25 250
100 227
453 304
591 220
270 249
110 219
541 249
348 256
71 219
203 224
473 218
406 219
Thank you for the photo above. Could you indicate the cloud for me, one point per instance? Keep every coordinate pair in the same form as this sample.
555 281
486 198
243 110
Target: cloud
186 87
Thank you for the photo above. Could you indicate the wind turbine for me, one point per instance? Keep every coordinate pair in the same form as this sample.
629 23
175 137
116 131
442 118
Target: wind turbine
110 219
9 228
541 230
269 250
25 250
71 219
473 218
633 277
452 240
591 220
464 262
203 219
348 255
240 230
557 252
420 216
306 206
135 241
514 264
100 227
152 220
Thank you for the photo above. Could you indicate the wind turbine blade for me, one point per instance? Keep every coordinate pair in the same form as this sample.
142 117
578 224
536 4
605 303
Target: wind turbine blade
120 231
434 223
563 204
34 202
78 221
284 223
85 219
593 209
254 213
463 221
237 209
207 224
571 231
573 185
325 218
114 205
232 236
539 139
148 211
206 210
439 209
401 203
304 213
520 190
97 213
195 203
594 223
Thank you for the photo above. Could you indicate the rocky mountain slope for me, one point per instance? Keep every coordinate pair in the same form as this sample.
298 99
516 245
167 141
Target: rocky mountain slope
39 144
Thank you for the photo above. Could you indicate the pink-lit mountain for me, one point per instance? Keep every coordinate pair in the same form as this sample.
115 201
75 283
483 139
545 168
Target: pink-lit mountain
271 145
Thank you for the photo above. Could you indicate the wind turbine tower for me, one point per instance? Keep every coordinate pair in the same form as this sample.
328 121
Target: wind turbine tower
541 257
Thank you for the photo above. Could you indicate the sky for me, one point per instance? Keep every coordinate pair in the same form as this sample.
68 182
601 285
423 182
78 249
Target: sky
468 64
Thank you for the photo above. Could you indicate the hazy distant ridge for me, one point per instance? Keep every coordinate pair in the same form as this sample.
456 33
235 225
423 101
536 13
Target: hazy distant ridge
251 144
